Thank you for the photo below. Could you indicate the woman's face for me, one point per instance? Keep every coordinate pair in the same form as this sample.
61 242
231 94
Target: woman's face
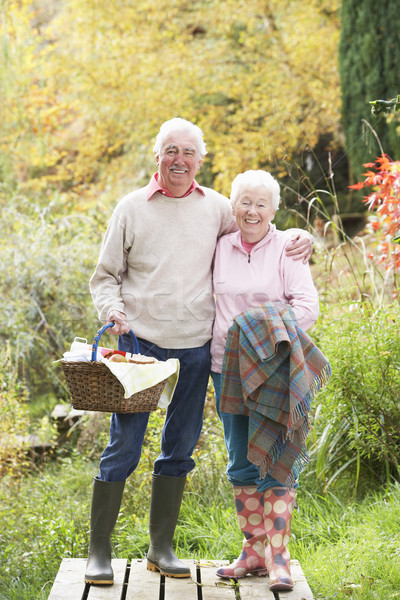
253 212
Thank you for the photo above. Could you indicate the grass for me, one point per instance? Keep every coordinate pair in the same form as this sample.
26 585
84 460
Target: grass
350 548
346 548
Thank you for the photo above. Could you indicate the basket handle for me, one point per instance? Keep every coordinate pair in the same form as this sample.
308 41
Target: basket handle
99 334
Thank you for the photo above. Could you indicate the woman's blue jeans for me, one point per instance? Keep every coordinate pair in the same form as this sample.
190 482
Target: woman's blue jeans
240 471
183 420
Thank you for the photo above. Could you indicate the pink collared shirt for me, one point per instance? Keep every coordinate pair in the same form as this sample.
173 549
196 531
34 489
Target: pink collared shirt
244 279
155 187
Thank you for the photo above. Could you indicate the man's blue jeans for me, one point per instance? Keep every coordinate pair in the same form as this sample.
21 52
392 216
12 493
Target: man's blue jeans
240 471
182 425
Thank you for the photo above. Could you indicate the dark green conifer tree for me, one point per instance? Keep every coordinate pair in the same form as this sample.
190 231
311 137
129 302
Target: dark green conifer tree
369 63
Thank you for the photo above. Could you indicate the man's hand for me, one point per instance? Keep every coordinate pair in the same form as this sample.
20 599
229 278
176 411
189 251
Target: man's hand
121 324
300 248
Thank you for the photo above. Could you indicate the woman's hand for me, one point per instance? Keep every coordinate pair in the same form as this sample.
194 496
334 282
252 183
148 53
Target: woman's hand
300 248
121 324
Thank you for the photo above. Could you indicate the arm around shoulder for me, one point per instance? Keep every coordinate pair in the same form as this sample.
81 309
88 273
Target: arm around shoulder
301 244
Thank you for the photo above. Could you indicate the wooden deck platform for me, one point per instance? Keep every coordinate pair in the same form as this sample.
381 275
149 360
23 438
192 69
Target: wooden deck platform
132 581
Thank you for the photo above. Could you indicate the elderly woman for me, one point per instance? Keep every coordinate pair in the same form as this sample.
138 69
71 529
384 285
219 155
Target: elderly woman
253 275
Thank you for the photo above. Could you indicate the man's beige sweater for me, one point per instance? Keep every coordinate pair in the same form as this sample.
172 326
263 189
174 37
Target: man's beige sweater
155 265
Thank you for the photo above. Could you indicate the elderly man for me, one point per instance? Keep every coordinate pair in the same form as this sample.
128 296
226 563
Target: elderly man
154 276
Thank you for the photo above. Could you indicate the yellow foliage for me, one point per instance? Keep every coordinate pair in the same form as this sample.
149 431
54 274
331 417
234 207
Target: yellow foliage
260 78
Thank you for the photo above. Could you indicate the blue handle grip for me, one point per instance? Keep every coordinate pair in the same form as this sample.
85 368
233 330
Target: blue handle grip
99 334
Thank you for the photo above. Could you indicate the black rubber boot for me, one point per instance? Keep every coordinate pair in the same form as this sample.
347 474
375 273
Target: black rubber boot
165 503
106 503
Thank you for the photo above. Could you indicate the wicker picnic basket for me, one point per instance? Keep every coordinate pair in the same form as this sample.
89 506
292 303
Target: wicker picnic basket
94 387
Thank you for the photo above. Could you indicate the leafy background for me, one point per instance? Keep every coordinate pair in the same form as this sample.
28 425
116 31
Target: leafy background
84 87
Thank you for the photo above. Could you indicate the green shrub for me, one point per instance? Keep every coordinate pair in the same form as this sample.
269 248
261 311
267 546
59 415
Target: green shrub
356 425
13 419
47 261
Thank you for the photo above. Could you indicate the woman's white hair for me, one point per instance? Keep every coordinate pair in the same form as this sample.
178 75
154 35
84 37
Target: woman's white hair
252 179
178 124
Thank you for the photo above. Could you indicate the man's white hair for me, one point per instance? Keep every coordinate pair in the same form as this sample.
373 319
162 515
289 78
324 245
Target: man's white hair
252 179
178 124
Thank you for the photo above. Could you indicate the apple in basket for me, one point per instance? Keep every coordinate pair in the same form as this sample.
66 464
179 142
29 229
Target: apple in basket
118 358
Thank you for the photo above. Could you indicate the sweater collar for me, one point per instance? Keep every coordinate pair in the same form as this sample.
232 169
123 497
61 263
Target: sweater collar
236 240
155 187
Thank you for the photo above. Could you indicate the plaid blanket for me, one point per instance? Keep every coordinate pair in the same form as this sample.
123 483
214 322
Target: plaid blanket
271 372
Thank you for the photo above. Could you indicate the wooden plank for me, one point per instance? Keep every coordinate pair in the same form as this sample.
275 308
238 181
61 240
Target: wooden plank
111 592
255 588
142 584
145 585
69 583
213 587
182 588
301 589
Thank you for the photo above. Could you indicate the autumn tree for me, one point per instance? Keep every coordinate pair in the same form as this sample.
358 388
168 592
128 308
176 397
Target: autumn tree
369 54
259 77
382 177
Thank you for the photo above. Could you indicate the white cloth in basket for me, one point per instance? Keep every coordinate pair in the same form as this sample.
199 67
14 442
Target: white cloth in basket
136 378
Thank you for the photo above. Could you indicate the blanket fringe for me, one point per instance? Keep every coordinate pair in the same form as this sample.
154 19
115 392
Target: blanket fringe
300 411
300 463
303 406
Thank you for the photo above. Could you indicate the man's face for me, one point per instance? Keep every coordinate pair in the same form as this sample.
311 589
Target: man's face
178 162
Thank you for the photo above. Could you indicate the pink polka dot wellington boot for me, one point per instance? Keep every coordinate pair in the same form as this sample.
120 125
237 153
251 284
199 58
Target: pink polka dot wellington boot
279 503
250 515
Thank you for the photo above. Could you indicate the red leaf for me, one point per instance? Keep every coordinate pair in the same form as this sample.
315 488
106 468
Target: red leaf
356 186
